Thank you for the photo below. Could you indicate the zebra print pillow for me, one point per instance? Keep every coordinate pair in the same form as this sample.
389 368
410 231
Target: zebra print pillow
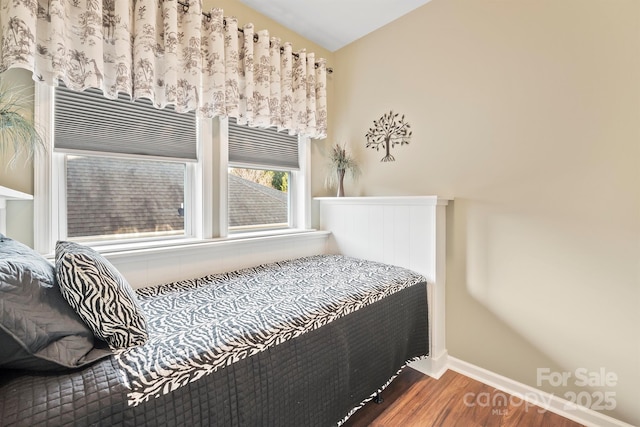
100 295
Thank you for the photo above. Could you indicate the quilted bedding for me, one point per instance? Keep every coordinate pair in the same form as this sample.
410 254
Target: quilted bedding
299 342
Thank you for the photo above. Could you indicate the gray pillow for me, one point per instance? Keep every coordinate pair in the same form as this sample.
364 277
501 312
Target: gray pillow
39 330
100 295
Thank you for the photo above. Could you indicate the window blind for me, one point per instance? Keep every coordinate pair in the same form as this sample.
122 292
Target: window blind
88 121
262 147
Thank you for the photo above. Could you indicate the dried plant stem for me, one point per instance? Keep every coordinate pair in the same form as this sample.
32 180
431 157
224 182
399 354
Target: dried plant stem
340 164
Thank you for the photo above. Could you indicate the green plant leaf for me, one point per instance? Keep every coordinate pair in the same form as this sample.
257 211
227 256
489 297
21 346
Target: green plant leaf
16 131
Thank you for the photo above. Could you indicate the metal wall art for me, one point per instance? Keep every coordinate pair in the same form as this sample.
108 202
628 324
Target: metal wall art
388 131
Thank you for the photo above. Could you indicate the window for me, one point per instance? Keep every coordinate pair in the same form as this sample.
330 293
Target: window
123 173
258 199
116 198
123 167
261 163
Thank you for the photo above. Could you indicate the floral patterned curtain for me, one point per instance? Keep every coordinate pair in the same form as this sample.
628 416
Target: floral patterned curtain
157 50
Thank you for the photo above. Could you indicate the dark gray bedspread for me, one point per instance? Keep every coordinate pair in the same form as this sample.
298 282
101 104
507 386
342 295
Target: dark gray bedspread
313 378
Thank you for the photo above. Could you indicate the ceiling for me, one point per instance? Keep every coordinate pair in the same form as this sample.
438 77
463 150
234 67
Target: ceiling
333 23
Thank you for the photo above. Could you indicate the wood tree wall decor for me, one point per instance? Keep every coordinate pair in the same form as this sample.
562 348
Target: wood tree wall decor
387 132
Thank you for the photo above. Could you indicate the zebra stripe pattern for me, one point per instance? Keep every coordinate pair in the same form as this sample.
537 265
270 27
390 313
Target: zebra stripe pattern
100 295
199 326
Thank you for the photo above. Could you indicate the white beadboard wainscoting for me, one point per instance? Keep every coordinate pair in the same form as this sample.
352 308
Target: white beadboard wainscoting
405 231
154 266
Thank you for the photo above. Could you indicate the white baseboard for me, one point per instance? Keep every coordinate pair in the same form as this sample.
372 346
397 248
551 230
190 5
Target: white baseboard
434 367
547 401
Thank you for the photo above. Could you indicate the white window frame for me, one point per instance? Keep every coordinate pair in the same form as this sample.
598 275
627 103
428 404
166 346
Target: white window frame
299 187
206 186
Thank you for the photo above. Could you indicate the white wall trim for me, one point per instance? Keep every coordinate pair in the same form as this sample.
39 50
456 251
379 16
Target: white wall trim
387 200
300 187
45 220
201 190
548 401
433 366
221 177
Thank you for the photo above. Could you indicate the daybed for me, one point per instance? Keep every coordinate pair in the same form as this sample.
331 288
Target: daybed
301 342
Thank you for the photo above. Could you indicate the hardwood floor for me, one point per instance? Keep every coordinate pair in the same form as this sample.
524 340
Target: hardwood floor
414 399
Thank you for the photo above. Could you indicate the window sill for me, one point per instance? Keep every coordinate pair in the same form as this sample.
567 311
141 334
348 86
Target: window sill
119 250
188 259
234 235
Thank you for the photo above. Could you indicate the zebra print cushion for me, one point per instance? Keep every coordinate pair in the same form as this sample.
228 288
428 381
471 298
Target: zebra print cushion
100 295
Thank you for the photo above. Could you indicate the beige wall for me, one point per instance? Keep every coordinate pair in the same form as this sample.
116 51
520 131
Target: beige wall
528 113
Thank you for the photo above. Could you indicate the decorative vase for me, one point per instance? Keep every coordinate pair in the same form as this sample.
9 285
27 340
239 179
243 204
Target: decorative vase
341 182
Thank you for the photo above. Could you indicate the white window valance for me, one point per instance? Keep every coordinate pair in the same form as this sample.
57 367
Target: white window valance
192 60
